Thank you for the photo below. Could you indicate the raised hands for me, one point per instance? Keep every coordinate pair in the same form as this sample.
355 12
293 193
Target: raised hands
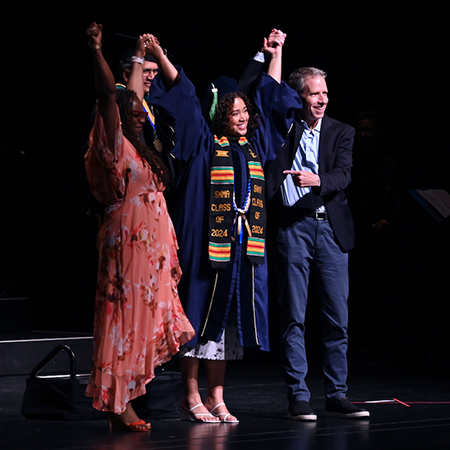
104 82
147 43
276 37
140 45
166 69
153 47
273 44
94 32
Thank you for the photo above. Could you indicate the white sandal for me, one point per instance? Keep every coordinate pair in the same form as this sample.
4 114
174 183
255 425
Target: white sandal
226 415
192 417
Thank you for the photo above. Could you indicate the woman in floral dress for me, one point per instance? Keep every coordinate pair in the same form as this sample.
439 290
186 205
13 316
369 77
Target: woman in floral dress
139 321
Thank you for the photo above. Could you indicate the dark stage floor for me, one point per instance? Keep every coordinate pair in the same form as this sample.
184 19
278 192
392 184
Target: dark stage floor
256 394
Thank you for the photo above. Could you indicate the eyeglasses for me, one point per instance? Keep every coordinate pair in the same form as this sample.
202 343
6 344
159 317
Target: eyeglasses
139 114
149 71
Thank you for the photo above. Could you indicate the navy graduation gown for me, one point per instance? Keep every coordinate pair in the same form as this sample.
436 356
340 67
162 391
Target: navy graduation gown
194 147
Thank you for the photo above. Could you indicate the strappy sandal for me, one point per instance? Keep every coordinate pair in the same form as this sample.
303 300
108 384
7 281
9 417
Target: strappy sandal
223 416
115 423
189 415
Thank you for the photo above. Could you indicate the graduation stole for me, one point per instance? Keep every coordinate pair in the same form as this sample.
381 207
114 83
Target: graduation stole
149 112
226 221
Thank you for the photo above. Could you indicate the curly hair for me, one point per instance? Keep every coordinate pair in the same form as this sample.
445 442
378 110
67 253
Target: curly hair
221 122
124 99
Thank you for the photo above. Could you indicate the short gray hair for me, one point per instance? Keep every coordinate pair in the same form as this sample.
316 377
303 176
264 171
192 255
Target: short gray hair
298 77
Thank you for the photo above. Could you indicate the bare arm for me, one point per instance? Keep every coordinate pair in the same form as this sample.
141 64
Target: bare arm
104 82
273 45
135 81
166 68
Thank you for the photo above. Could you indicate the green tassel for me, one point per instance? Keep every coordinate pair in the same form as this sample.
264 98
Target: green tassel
212 111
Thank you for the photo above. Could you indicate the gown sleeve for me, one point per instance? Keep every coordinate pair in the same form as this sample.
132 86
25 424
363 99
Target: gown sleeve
277 103
104 166
180 109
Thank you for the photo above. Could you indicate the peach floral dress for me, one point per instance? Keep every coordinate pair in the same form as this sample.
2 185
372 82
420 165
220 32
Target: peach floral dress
139 322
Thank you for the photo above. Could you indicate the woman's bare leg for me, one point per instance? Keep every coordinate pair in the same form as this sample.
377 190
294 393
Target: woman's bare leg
192 398
215 372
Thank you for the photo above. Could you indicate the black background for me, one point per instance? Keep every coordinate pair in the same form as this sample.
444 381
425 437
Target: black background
389 58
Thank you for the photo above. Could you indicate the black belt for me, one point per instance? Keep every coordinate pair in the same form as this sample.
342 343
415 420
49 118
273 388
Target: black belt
318 215
288 215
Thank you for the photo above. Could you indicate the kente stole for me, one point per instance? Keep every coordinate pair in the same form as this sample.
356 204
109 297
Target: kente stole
226 220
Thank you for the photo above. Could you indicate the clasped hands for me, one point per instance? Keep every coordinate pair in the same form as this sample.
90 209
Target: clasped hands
147 43
274 42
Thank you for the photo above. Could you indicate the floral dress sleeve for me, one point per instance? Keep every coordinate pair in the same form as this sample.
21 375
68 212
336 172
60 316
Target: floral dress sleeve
104 166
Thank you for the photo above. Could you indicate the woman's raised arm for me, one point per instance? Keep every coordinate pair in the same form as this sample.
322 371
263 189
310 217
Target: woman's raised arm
104 82
273 45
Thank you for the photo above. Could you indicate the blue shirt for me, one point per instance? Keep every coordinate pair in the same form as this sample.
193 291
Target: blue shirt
306 158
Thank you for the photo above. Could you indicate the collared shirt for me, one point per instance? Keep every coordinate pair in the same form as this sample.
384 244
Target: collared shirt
259 57
306 158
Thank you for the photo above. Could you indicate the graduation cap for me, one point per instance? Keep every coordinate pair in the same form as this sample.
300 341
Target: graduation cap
216 90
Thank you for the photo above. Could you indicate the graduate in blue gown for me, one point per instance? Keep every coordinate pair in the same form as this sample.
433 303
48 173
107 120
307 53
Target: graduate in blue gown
219 216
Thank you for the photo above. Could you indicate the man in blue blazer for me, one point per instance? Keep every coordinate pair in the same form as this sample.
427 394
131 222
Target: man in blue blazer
313 234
